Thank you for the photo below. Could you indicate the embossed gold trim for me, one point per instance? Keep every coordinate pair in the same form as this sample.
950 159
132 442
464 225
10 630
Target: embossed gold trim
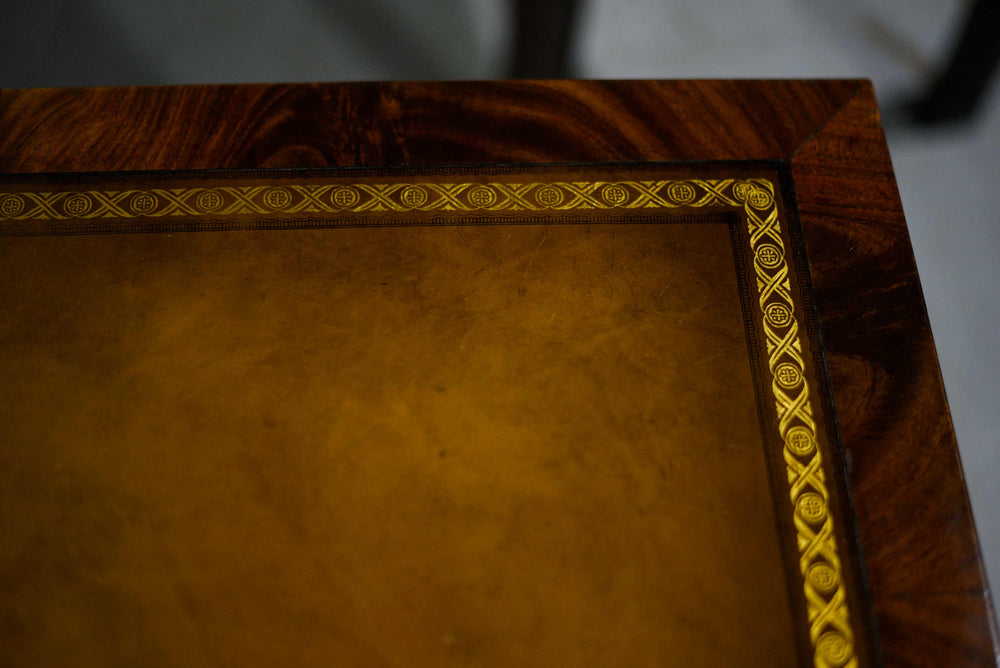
819 562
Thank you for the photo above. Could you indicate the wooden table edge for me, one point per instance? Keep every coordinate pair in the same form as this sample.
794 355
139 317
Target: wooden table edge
844 153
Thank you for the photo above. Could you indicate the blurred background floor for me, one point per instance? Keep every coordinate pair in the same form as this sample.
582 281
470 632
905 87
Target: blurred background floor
946 175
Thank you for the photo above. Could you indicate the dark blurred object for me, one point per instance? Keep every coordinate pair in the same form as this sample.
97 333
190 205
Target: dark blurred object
542 34
957 91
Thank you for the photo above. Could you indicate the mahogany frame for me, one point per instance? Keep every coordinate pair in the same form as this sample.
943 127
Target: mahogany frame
926 582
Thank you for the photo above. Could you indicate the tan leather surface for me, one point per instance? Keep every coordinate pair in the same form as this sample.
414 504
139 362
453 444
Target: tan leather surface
506 445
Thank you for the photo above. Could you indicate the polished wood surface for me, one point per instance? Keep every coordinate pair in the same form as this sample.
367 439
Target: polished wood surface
927 587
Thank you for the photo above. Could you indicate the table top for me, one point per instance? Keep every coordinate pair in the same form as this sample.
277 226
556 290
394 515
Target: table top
920 575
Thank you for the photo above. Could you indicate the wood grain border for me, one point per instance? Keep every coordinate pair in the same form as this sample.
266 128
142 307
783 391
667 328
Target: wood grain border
927 586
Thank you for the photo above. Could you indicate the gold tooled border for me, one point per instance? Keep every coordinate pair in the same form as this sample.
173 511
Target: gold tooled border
819 562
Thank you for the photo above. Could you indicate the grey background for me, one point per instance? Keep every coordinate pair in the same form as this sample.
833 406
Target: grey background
946 176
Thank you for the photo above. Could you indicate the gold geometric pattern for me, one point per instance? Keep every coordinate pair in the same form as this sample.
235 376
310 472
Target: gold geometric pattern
819 562
829 624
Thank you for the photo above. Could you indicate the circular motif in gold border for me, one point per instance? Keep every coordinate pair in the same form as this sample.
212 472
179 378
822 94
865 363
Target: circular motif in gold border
614 195
77 205
778 315
769 256
681 193
413 196
759 198
549 196
344 197
209 201
822 577
11 205
834 648
142 203
741 189
788 375
482 196
800 441
277 198
811 507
